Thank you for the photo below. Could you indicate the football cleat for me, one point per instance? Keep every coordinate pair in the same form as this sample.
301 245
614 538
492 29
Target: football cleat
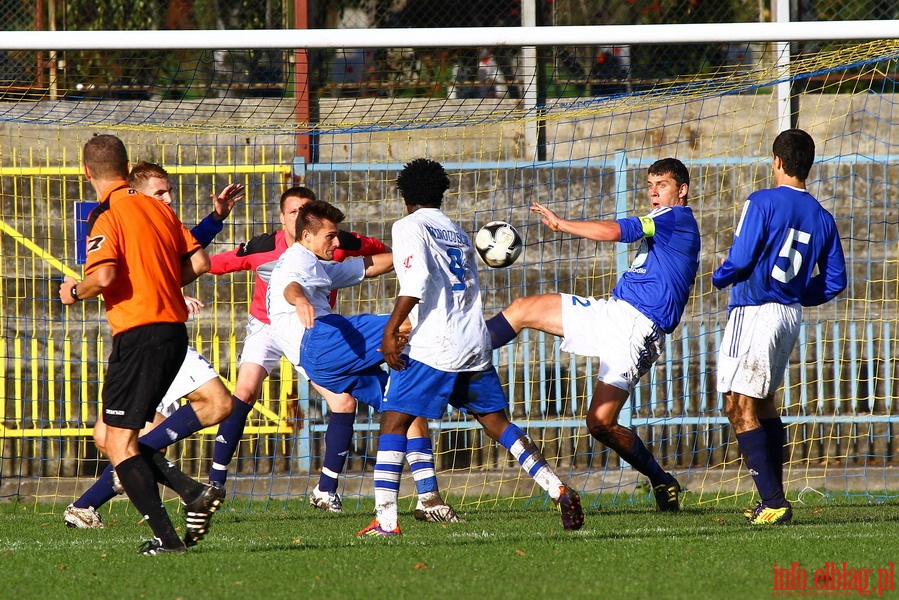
154 547
199 512
326 501
569 503
375 530
117 486
765 515
667 496
439 513
83 518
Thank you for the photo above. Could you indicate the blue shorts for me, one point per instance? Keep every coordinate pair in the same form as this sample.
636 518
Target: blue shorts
424 391
341 354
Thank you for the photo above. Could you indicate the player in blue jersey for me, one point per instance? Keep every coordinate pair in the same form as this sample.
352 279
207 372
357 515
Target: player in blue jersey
786 254
627 331
447 359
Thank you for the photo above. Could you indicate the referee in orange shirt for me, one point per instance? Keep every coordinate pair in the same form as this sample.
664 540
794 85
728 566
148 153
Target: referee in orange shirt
139 255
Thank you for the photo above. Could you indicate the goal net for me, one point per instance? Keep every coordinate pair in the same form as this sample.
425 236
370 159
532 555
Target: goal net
573 124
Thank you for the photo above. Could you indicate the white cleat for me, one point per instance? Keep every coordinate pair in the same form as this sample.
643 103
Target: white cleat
439 513
83 518
327 501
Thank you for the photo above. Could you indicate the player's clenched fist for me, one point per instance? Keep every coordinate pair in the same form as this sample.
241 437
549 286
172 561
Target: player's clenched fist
65 290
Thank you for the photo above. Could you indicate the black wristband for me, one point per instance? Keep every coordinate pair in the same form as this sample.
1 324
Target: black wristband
74 292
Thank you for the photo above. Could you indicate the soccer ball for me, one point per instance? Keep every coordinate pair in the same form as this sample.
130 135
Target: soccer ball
498 243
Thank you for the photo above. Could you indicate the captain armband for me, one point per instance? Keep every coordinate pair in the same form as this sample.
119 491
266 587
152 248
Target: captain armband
648 225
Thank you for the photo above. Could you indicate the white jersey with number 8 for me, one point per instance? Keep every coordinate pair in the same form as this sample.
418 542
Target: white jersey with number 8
435 262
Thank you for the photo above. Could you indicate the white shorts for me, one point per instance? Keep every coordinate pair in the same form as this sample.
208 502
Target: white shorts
194 372
755 348
265 344
260 346
625 340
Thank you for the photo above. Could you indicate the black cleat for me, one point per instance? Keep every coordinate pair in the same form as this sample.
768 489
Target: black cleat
199 512
569 504
667 496
154 547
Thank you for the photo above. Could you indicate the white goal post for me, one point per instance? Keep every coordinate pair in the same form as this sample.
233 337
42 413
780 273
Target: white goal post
528 37
450 37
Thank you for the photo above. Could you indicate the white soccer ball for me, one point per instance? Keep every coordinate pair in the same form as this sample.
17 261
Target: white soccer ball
498 244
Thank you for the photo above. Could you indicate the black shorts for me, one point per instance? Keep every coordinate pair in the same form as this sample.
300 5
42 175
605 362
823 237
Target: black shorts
142 366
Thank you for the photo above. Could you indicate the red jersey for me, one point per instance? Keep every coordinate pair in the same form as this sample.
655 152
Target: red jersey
262 252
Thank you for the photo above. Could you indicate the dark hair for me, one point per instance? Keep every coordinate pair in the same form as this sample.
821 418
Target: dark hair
106 157
143 171
673 167
796 149
423 182
297 191
313 213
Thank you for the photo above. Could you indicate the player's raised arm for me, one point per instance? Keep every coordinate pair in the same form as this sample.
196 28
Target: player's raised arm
224 202
600 231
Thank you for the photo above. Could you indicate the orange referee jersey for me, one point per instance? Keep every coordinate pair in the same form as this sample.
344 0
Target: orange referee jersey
146 243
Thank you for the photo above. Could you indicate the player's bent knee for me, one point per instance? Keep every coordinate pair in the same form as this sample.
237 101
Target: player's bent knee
211 402
100 436
600 428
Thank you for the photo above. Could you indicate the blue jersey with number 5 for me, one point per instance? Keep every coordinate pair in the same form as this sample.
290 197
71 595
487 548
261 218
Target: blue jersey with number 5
786 249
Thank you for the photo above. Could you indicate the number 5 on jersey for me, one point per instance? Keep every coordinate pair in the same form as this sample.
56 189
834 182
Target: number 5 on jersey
792 253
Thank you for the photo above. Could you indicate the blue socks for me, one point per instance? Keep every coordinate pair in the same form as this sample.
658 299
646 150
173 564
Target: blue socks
776 437
226 440
388 469
420 455
99 493
181 424
640 458
501 332
338 438
528 456
754 445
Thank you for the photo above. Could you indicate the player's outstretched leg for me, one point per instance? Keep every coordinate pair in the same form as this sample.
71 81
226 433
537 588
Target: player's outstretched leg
631 448
522 447
83 512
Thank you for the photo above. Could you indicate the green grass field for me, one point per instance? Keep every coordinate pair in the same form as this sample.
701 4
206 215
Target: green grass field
501 552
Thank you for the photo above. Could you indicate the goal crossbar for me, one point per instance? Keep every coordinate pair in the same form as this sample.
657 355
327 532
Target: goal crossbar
457 37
